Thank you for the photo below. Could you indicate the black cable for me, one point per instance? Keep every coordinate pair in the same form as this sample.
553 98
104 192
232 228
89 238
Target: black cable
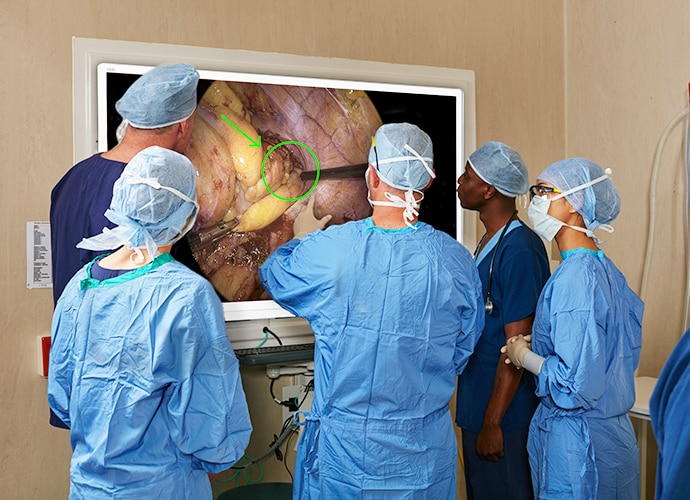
285 455
270 388
283 435
289 427
307 388
287 422
291 403
268 330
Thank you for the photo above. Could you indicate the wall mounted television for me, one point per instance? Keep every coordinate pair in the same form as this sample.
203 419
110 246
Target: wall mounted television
327 107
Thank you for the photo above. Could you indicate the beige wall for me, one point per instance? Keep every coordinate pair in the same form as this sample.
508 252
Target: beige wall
627 74
627 77
606 93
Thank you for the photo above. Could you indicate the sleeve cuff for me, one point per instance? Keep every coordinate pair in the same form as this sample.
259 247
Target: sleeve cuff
532 362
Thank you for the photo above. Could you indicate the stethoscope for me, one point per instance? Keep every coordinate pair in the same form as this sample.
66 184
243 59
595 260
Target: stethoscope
488 304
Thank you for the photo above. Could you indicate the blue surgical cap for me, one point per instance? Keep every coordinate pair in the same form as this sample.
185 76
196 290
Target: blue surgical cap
160 97
153 204
400 154
501 166
599 203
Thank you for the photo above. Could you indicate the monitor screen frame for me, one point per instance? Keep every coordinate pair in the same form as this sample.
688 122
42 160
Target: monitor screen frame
89 55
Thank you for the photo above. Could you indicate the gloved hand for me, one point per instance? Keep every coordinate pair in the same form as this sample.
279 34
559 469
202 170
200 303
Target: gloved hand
516 347
528 339
306 222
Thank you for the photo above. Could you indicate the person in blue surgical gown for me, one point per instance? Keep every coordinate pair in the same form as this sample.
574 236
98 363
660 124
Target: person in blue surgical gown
141 369
157 110
668 408
586 342
396 308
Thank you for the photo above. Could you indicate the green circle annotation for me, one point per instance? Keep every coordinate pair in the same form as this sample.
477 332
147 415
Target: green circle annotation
263 170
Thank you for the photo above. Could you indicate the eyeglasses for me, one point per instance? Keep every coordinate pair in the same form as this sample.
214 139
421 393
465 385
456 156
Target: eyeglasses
538 190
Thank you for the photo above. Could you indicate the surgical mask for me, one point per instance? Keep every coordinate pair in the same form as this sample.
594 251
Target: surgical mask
544 225
547 226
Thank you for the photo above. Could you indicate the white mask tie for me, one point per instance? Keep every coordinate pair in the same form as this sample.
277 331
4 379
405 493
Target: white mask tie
410 204
133 178
415 156
547 226
583 186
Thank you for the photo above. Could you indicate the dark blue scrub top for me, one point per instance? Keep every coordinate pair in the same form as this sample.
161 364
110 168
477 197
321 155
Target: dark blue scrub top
77 204
521 268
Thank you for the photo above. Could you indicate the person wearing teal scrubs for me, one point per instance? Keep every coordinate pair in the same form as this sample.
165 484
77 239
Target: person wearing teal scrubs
141 369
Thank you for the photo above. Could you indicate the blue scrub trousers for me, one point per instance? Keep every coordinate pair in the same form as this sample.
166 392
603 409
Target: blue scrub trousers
510 477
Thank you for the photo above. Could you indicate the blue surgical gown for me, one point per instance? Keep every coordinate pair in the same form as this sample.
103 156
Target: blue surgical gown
588 327
669 407
396 315
143 373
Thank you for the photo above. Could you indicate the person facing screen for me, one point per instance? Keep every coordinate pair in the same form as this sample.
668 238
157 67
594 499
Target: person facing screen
141 368
396 308
158 110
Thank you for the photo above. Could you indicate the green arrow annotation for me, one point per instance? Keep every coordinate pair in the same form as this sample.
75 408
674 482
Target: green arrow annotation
252 143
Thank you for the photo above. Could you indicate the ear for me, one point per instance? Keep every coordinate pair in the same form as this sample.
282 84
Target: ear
574 218
374 180
431 181
490 192
184 129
